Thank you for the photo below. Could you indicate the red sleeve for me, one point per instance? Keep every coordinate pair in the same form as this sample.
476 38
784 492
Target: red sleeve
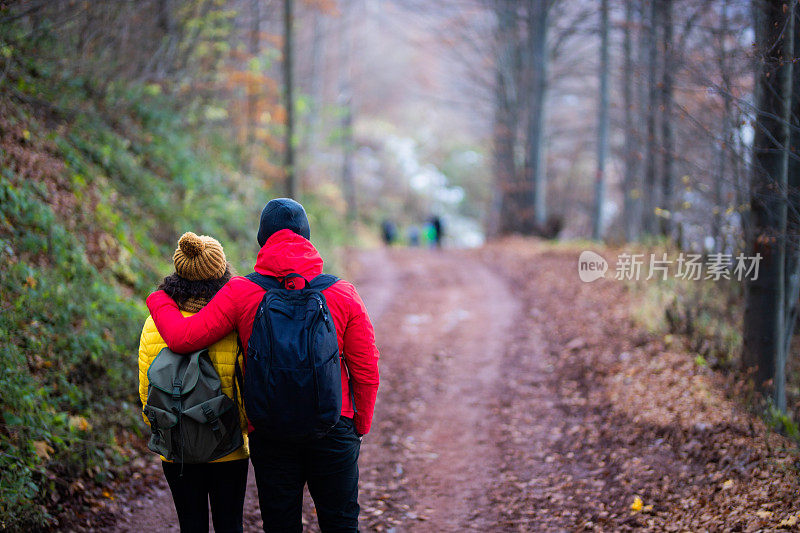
187 334
361 356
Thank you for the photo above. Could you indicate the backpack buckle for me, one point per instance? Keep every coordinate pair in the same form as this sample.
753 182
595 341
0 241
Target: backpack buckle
211 418
176 389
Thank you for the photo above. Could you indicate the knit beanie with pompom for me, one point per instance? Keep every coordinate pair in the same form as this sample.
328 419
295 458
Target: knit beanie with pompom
199 257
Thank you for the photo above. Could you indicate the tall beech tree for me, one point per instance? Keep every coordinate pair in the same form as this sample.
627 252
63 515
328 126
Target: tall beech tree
650 170
792 262
667 138
509 189
538 55
630 186
764 317
602 127
521 62
346 103
251 120
288 81
725 143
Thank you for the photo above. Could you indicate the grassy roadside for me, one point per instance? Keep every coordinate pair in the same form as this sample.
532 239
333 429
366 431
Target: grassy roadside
704 318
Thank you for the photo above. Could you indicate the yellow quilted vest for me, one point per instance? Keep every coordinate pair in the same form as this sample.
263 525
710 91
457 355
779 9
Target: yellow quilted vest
222 354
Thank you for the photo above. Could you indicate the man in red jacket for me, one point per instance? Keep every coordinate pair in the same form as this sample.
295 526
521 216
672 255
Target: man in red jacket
329 464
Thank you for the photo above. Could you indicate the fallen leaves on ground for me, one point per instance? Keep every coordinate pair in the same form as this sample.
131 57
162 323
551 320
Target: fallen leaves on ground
638 419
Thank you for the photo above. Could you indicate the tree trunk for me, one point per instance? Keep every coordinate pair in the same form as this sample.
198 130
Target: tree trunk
792 261
631 180
165 54
536 168
648 212
643 115
312 141
602 129
288 20
765 303
725 143
667 140
254 48
165 20
346 102
508 189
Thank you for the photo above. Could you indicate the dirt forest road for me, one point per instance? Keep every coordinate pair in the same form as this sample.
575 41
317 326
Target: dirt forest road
443 330
516 398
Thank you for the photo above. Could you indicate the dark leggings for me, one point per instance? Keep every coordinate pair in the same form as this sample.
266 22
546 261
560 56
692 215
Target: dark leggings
222 483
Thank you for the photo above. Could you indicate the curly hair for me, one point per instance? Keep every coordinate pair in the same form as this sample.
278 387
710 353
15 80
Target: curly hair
182 290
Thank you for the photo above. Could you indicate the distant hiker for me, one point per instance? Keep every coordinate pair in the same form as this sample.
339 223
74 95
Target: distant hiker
438 234
388 232
413 236
200 271
429 233
307 412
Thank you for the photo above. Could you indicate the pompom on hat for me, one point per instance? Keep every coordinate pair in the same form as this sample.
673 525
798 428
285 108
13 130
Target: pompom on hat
199 257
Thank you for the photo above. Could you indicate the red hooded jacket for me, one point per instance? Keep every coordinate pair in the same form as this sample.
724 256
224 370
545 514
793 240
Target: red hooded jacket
234 307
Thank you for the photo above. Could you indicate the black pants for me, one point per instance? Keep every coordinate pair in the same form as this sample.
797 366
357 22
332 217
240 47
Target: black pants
222 483
330 467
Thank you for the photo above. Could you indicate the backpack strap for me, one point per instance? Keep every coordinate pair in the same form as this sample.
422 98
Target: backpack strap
322 282
265 282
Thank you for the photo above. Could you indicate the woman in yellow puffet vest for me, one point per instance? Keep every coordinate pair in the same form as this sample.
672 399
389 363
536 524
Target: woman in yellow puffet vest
200 271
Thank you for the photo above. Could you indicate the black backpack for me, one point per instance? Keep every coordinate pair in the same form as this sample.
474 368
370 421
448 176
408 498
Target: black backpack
191 419
292 383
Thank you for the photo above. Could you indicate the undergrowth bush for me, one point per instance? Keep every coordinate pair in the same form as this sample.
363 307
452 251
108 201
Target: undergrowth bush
706 313
66 335
708 316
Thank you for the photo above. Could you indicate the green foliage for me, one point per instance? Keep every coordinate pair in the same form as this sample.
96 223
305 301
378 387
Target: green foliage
706 313
782 422
65 332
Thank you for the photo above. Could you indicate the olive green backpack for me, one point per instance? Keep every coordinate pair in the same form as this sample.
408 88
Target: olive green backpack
191 420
